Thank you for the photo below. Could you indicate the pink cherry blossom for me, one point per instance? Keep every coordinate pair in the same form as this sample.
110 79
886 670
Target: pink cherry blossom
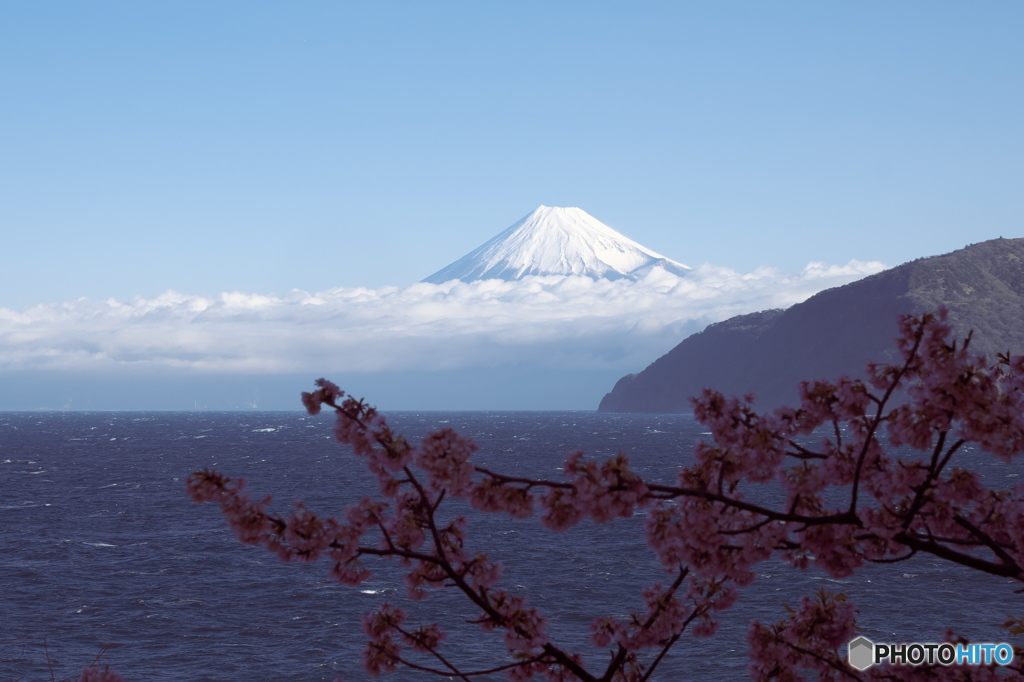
96 674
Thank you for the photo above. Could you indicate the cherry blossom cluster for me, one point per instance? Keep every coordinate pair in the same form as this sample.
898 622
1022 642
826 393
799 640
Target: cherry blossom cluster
95 673
808 640
857 472
813 636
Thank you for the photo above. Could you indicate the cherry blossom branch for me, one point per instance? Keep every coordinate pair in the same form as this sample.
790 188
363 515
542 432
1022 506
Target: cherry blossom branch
671 492
986 540
894 383
926 485
675 638
451 672
804 453
1009 570
480 597
842 669
528 482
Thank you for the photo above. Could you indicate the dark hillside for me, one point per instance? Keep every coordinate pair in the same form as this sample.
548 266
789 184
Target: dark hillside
837 331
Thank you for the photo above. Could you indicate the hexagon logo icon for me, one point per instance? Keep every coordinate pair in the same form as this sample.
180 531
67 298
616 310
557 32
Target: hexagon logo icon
862 653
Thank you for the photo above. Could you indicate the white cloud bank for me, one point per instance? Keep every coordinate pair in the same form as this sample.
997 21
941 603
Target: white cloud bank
564 322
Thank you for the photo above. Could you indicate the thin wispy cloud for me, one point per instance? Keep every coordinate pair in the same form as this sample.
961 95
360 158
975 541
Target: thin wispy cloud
565 321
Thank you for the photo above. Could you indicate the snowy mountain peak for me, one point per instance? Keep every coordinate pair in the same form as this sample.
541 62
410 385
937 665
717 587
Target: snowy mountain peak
557 241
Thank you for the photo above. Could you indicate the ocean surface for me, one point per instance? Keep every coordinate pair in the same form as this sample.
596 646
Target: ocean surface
101 547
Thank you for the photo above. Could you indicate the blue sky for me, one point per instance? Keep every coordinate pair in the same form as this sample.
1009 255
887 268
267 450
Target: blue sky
262 147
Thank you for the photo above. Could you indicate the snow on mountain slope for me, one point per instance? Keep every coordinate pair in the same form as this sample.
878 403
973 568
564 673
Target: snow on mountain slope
557 241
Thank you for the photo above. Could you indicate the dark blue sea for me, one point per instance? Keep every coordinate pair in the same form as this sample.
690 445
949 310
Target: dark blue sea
100 547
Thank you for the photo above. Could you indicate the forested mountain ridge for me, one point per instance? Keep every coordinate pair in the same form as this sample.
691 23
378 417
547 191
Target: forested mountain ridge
837 331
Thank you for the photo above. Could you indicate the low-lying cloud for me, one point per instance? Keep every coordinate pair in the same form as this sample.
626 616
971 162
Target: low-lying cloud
568 322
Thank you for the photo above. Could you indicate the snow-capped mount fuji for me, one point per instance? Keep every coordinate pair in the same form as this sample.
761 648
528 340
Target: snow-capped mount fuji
557 241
